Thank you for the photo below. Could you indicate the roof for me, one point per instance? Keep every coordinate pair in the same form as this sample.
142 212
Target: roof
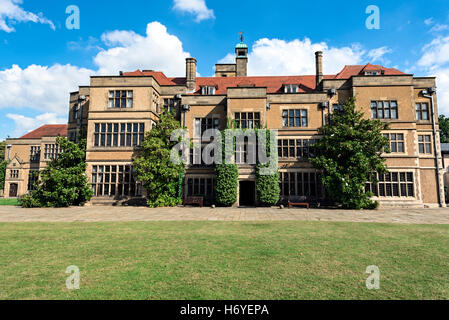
49 130
274 84
349 71
445 147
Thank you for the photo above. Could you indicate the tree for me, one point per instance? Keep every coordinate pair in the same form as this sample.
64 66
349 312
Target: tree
444 128
348 155
160 176
63 183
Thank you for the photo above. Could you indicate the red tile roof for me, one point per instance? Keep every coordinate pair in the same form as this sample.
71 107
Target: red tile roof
349 71
274 84
49 130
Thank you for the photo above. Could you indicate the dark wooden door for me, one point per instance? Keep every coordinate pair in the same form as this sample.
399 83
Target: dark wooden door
247 193
13 190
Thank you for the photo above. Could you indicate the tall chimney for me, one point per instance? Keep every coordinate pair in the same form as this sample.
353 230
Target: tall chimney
191 74
319 68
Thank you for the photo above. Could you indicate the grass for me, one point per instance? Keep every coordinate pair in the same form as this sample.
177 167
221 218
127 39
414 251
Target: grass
223 260
9 202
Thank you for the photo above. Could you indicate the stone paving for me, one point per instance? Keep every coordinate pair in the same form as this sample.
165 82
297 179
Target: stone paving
112 214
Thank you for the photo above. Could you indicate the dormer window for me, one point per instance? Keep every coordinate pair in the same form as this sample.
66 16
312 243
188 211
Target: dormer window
291 88
372 73
208 90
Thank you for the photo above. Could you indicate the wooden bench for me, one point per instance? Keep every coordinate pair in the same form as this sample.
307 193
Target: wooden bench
194 201
298 202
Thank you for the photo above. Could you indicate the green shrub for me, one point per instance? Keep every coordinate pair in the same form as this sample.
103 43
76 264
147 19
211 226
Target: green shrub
268 190
226 184
63 183
2 174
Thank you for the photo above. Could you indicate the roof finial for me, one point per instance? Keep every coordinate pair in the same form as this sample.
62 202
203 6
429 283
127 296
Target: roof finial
241 37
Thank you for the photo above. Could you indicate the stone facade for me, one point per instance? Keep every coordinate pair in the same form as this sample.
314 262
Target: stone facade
28 155
113 110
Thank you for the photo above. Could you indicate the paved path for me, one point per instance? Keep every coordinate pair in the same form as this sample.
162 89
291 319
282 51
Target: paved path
109 214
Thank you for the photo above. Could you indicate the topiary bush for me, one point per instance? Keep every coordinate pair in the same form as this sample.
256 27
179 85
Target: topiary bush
226 184
268 190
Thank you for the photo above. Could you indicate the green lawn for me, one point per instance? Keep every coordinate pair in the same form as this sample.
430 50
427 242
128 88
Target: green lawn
221 260
8 202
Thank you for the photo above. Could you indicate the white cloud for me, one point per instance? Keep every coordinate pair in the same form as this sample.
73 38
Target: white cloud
378 54
41 88
46 88
435 63
27 124
439 27
195 7
130 51
429 21
11 13
436 53
280 57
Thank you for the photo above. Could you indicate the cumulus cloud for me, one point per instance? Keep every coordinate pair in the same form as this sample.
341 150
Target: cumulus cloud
27 124
41 88
195 7
436 53
378 54
280 57
130 51
435 62
11 13
429 21
46 88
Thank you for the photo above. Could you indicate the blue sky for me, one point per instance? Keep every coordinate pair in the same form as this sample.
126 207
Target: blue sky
41 60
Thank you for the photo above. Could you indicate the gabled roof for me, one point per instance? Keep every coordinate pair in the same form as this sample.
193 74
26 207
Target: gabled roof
49 130
349 71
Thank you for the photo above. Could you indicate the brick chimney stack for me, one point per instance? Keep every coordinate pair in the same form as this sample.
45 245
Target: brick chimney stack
319 68
191 74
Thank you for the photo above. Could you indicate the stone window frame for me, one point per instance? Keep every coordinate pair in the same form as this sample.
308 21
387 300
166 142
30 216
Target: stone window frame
120 99
208 185
374 107
396 142
14 174
301 150
310 188
394 184
108 179
118 134
251 120
420 111
35 154
425 144
295 118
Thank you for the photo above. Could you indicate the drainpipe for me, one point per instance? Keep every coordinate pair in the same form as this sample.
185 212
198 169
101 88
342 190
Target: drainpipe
428 93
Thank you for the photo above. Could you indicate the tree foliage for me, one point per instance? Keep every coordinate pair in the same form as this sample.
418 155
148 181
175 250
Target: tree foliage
159 175
348 155
63 183
2 164
226 175
443 122
267 186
